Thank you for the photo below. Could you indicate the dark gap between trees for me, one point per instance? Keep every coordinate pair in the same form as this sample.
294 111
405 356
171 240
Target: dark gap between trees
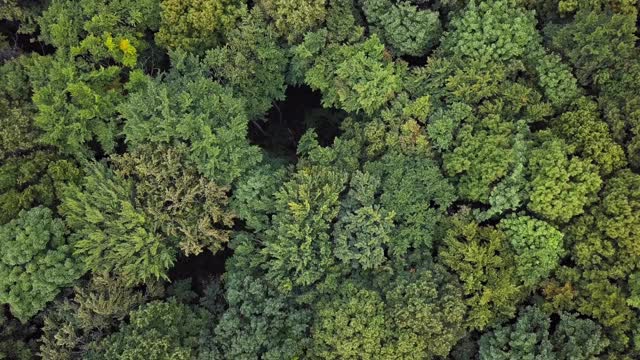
282 127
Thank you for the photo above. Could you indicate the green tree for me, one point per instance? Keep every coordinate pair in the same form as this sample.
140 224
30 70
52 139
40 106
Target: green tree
98 306
604 238
358 77
531 337
418 314
183 206
492 31
292 19
485 264
538 247
253 199
426 313
36 261
561 185
406 29
261 321
362 234
110 233
186 107
299 243
65 23
158 330
600 43
31 172
414 190
251 63
350 325
584 129
197 25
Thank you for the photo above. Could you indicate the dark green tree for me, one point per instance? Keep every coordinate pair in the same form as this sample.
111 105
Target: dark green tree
36 261
158 330
531 337
252 63
186 107
406 29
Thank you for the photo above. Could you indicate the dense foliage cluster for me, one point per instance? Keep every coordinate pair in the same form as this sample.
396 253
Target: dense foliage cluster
320 179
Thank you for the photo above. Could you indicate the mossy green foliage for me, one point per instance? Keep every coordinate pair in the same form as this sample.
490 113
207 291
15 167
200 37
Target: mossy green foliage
319 179
36 261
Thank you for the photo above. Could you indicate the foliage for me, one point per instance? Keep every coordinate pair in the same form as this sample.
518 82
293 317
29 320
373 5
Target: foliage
352 77
492 31
252 64
197 25
486 266
538 247
36 261
159 330
292 19
260 321
110 234
405 28
415 191
603 238
318 179
14 343
561 185
196 111
417 316
531 337
182 205
31 173
98 306
299 245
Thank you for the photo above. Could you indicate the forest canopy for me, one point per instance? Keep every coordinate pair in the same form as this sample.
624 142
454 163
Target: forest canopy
320 179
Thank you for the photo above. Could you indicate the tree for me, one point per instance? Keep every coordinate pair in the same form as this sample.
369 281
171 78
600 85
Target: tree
406 29
13 339
299 244
413 188
492 31
253 200
31 173
561 185
416 315
426 312
590 135
66 23
197 25
485 264
78 90
186 107
538 247
110 233
292 19
484 155
600 44
603 238
251 63
184 207
158 330
354 78
78 101
36 261
531 337
351 325
363 232
261 321
98 307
